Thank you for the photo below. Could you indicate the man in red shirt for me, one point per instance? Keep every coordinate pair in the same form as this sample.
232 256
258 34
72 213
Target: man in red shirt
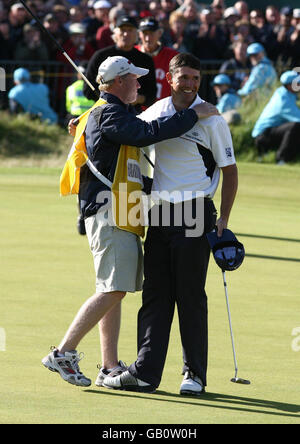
150 34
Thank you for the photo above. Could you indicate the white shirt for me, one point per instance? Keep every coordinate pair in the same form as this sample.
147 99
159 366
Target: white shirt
191 163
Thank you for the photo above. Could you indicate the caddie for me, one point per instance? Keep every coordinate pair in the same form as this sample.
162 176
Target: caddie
103 168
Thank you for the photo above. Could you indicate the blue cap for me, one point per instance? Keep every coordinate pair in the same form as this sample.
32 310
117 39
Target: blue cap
288 77
286 10
21 74
255 48
228 252
221 79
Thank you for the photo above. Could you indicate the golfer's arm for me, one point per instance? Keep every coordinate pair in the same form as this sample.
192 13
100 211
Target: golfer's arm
228 192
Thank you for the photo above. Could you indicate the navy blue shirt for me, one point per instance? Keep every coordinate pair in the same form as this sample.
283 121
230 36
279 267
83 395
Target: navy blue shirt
115 124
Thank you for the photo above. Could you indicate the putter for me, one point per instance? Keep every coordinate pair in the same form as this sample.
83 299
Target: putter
235 379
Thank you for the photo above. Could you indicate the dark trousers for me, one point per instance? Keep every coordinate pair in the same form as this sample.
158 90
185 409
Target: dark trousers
175 273
284 138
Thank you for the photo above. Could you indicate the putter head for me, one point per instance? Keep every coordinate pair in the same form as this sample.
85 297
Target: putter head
240 381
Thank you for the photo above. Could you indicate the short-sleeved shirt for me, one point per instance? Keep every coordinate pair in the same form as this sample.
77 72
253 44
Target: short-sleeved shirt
190 163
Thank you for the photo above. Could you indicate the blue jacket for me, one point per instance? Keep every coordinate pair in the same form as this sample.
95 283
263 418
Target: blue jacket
229 100
281 108
115 124
262 74
34 99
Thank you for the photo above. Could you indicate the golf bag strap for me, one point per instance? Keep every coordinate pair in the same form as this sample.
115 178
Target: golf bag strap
97 173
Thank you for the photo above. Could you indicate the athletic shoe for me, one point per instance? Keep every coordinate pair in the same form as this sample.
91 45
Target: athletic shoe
81 226
191 385
126 381
67 367
103 372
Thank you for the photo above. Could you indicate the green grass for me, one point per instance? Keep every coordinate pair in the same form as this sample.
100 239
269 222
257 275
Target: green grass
46 273
21 137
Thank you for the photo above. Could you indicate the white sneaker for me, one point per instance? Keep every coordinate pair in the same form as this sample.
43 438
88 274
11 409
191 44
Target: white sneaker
67 367
191 385
125 381
103 372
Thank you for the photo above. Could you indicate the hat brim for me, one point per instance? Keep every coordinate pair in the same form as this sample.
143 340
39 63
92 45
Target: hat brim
227 236
140 72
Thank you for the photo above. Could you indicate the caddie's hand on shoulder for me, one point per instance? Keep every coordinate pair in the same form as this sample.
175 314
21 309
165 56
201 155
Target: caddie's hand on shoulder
72 127
206 109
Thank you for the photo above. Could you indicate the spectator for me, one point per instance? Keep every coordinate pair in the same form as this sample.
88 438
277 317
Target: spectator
31 47
32 98
272 16
238 67
6 42
150 34
58 31
190 12
77 47
155 9
62 15
168 6
129 6
218 8
263 33
294 40
242 9
278 126
76 102
17 18
231 16
101 11
257 21
243 32
77 15
125 37
104 33
211 41
283 33
178 23
3 12
262 75
227 98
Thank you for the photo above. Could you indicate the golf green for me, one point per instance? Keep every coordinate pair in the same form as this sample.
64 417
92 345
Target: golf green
46 273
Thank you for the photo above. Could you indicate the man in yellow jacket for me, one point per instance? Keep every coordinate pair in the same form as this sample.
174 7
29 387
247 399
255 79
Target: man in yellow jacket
102 163
76 102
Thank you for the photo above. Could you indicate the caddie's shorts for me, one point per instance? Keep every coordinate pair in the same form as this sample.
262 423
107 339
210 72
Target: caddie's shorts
118 256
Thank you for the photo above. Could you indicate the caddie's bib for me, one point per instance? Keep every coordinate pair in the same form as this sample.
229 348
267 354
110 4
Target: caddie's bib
126 187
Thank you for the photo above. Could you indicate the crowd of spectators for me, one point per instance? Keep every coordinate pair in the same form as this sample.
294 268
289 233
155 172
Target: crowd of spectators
209 31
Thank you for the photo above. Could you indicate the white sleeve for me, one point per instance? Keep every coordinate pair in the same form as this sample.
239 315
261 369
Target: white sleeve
221 143
151 113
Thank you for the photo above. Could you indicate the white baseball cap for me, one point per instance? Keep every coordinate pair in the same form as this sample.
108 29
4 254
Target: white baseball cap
118 66
296 13
102 4
230 12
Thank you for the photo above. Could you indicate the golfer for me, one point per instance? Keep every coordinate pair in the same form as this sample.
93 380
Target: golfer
175 263
110 132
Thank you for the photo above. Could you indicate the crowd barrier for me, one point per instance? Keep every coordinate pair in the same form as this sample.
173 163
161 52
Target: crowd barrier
58 76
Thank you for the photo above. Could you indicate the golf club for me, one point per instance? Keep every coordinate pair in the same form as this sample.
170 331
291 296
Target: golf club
235 379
